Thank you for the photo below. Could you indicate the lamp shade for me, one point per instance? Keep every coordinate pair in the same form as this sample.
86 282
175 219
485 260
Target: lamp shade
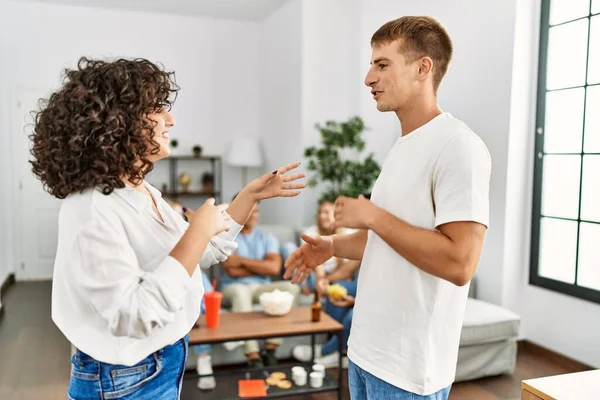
245 152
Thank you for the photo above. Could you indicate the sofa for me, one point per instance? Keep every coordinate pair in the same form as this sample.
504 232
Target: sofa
488 343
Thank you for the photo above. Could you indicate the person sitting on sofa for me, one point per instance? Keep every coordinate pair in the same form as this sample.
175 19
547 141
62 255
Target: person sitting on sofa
247 274
325 227
345 274
339 309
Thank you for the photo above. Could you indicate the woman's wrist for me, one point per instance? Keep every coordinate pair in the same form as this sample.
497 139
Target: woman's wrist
241 207
199 231
247 195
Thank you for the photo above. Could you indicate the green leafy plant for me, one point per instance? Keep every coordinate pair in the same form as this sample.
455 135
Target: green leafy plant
344 177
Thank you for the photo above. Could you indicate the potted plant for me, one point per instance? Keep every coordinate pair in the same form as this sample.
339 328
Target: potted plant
197 150
174 143
344 177
208 182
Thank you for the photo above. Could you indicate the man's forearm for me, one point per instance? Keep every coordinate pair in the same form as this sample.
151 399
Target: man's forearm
429 250
239 272
350 246
261 267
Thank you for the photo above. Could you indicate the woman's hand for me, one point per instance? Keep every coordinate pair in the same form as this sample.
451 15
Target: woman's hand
275 184
210 219
207 221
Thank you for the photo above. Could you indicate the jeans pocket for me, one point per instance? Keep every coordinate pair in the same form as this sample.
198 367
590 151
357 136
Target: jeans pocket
127 380
85 378
84 367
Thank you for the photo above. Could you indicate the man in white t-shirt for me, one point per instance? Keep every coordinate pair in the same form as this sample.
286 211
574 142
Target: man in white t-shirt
420 237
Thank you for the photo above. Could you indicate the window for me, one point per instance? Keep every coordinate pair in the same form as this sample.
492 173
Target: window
565 247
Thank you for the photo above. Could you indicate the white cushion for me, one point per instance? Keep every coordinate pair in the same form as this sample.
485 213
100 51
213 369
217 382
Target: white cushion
486 323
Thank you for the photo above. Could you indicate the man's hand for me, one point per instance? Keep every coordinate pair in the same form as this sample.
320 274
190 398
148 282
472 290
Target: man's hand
346 302
307 257
354 213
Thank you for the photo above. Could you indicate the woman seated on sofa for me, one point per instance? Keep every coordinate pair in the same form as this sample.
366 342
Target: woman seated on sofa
325 227
340 310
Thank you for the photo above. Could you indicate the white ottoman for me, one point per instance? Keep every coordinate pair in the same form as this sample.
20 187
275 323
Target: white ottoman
488 342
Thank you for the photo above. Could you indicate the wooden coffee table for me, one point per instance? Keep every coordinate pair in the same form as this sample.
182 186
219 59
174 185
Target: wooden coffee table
574 386
258 325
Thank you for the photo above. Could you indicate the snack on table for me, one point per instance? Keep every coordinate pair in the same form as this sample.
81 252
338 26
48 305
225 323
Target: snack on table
337 291
276 302
284 384
272 381
278 376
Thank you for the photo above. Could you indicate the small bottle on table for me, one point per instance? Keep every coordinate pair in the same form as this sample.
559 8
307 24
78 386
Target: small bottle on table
316 308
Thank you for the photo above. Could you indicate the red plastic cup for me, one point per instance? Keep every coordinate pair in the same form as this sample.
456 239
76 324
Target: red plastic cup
212 306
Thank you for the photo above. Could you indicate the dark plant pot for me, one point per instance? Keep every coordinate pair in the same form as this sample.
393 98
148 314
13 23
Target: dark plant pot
208 187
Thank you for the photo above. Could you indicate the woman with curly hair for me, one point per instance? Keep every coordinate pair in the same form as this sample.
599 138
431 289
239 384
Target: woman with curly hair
126 285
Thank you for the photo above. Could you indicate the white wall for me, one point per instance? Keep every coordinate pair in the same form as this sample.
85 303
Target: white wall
6 256
6 239
330 81
280 107
519 182
309 65
233 96
562 323
216 65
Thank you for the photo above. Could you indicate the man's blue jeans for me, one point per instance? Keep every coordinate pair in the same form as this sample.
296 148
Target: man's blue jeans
364 386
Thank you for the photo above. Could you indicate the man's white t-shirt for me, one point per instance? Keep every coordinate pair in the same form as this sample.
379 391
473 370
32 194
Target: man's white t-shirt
407 323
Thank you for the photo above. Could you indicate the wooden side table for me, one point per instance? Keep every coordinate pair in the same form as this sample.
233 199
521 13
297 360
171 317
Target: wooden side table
576 386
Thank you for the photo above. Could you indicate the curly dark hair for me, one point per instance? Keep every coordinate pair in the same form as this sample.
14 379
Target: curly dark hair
94 132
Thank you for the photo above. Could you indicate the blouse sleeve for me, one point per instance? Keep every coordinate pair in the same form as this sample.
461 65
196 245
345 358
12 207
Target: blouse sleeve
221 246
133 301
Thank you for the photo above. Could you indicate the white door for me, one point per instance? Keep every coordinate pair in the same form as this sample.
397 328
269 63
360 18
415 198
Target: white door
36 222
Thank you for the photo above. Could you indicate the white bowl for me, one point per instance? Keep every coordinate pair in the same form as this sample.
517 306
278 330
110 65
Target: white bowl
276 302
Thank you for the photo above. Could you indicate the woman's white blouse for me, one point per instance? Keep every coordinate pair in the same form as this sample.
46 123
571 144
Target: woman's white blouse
117 295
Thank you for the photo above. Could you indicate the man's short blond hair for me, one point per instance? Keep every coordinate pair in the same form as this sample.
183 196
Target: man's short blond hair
419 37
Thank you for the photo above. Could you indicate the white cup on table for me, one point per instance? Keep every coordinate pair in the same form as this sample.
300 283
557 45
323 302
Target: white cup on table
299 376
320 368
316 380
